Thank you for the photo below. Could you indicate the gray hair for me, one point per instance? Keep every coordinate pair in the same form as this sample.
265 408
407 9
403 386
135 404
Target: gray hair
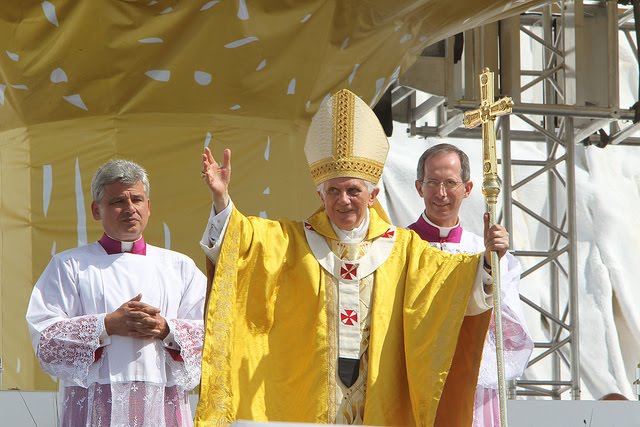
119 170
370 186
465 171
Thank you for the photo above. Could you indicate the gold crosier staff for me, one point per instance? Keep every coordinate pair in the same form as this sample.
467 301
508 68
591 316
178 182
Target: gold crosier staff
486 115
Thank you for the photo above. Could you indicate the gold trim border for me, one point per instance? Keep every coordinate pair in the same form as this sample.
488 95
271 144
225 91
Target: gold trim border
343 118
356 167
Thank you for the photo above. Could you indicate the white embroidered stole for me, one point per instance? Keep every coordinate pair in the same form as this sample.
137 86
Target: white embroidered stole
349 273
348 407
350 266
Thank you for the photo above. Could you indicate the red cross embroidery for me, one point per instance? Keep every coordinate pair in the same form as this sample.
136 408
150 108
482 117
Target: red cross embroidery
349 271
308 226
388 234
349 317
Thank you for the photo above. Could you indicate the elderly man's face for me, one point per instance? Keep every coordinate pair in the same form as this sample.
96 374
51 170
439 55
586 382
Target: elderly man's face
124 211
346 201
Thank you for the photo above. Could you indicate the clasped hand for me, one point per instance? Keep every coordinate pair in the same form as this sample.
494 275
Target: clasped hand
136 319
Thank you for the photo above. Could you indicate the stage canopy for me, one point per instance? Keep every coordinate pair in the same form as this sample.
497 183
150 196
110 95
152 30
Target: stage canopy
82 82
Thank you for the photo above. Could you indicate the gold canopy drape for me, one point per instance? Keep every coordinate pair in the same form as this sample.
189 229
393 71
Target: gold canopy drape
155 81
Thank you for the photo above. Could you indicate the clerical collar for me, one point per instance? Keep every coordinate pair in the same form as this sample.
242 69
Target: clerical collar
113 246
356 235
435 233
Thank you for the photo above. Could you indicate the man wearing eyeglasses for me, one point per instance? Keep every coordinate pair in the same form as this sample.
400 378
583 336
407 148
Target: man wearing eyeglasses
443 182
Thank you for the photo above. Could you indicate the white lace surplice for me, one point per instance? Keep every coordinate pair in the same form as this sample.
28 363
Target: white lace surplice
119 381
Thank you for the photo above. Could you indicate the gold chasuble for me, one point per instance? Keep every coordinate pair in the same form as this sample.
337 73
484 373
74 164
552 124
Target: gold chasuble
270 350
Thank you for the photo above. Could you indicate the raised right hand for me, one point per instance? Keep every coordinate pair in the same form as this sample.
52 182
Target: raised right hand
217 177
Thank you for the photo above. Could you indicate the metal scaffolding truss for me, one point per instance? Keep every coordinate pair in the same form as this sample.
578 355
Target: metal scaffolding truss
565 93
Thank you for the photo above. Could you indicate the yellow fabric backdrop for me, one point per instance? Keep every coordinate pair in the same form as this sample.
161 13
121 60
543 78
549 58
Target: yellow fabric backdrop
155 81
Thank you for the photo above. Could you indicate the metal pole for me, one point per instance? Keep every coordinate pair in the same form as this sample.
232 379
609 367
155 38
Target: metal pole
573 258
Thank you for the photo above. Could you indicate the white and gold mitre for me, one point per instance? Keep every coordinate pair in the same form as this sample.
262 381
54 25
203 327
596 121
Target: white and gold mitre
346 139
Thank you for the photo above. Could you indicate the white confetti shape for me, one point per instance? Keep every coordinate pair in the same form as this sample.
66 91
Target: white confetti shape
76 100
397 28
167 236
405 38
267 191
263 214
50 12
82 216
209 5
308 104
267 150
2 88
150 40
152 2
207 139
235 107
202 78
353 73
292 87
159 75
58 75
326 97
345 43
167 10
243 13
13 56
261 65
379 84
18 365
20 87
47 183
395 75
53 248
241 42
306 18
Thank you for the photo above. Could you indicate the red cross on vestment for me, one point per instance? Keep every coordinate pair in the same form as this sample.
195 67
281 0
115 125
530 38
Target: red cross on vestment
349 271
349 317
308 226
388 234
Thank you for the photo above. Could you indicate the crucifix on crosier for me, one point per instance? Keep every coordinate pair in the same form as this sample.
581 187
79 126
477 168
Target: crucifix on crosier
486 115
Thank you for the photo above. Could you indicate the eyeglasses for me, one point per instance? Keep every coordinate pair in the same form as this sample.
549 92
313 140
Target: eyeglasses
449 184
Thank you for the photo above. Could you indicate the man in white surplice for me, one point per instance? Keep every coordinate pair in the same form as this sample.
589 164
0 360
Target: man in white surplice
120 321
443 182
